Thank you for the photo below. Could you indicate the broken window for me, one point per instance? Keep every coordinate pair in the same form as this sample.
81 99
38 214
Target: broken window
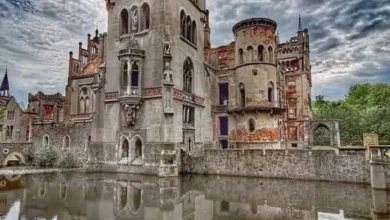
223 93
224 125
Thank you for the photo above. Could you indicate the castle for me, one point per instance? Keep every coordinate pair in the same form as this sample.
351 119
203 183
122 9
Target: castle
153 86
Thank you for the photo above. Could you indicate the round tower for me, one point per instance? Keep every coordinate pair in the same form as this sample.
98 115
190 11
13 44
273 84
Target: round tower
256 84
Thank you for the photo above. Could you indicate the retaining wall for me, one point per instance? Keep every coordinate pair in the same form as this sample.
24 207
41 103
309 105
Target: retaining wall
346 166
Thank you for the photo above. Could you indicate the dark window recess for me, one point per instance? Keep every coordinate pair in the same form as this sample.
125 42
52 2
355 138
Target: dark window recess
224 144
295 145
223 124
225 206
134 75
223 93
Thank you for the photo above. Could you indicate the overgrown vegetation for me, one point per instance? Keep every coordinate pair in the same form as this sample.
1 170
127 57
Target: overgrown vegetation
50 157
365 109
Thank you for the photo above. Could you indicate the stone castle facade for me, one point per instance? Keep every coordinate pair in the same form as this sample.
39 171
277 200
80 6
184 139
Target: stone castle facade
152 86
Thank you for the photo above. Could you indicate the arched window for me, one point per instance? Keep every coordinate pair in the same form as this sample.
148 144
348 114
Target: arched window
94 49
123 197
261 53
183 23
66 142
134 19
252 125
76 68
138 149
7 132
240 56
84 103
124 22
271 54
46 141
242 94
85 58
270 92
189 28
134 75
194 33
125 148
125 75
250 57
11 131
188 70
145 17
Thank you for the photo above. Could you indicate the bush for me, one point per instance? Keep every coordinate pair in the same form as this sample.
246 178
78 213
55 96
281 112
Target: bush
68 160
44 157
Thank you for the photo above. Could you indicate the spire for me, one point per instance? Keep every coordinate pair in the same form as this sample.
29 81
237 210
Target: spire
4 89
300 24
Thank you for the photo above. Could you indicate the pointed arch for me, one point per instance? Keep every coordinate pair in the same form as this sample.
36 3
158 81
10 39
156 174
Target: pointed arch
124 22
188 70
183 23
250 55
189 28
194 33
145 17
134 20
84 101
46 141
66 143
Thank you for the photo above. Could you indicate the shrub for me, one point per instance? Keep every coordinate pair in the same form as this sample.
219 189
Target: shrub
44 157
68 160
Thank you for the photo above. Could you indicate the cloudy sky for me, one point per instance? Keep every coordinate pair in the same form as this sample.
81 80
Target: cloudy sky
350 40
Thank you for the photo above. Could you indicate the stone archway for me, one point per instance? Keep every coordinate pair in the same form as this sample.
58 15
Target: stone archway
136 150
330 126
14 158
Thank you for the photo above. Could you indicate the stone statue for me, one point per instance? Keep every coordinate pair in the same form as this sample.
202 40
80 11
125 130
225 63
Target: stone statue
135 21
167 49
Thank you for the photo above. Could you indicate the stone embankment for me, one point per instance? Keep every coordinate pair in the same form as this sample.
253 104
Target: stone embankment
33 170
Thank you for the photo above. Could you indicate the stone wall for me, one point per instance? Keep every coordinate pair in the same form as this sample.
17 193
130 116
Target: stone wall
347 166
78 134
19 149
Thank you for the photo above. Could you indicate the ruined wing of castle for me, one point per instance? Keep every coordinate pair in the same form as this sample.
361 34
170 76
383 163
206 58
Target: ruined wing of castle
152 87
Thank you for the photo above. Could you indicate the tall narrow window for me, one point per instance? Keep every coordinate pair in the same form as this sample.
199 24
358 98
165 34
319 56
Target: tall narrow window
223 125
261 53
87 105
94 50
223 93
240 56
28 133
134 75
7 132
242 94
66 142
189 28
84 101
134 20
250 57
271 54
252 125
124 22
85 58
125 76
194 33
145 17
188 70
76 68
270 92
183 23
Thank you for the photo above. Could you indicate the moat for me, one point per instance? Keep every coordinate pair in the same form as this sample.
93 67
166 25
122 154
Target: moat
115 196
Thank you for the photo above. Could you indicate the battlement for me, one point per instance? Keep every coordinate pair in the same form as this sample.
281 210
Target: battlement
40 96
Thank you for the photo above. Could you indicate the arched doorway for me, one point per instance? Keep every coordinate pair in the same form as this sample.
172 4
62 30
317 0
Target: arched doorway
14 159
322 135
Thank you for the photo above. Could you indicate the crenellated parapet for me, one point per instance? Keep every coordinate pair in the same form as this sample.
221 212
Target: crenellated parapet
48 107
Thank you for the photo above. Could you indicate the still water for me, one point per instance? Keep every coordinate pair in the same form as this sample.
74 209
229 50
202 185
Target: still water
76 196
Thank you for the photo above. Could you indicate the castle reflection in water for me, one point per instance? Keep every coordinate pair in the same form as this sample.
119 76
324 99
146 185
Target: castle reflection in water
76 196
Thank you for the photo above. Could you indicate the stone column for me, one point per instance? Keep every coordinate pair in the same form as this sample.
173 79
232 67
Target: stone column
337 134
140 73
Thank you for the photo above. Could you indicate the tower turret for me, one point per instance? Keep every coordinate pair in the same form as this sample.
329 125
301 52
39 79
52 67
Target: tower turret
4 89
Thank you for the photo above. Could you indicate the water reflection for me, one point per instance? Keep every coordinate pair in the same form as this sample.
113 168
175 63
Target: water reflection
114 196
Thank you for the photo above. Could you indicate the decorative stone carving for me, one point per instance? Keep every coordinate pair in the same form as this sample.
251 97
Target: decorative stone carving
134 27
130 111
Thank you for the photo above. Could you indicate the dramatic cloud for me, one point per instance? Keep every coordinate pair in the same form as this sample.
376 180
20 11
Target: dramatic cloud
349 39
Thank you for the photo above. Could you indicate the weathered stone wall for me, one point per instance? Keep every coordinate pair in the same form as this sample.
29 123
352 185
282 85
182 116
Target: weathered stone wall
347 166
19 149
78 134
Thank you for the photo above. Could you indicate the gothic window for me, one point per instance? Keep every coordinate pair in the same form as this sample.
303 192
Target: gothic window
134 74
125 76
94 50
240 56
85 58
188 115
145 17
134 20
270 92
252 125
76 68
250 57
194 33
11 131
84 101
189 28
183 23
124 22
123 197
188 70
261 53
138 149
242 94
66 142
270 54
125 148
7 132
